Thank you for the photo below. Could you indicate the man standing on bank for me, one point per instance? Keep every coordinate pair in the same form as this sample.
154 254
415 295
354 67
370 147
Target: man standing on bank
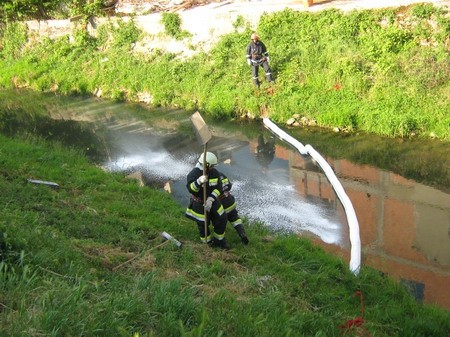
257 56
213 206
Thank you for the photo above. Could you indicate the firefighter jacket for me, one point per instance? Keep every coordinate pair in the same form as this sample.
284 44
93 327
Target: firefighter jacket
227 199
214 185
257 52
226 183
195 210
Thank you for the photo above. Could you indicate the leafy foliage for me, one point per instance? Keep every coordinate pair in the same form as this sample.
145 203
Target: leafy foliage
27 9
172 25
48 9
14 40
423 11
125 34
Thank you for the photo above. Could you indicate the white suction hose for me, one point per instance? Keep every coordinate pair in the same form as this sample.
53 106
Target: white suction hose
355 241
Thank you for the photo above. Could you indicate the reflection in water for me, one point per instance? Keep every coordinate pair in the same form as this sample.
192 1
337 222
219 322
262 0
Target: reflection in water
265 151
404 225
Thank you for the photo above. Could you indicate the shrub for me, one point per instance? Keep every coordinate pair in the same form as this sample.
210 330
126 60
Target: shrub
423 11
172 25
14 39
125 34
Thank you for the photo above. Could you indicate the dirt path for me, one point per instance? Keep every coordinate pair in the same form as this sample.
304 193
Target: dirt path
128 6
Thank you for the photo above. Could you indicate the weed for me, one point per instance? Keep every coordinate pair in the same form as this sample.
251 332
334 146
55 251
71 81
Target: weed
172 25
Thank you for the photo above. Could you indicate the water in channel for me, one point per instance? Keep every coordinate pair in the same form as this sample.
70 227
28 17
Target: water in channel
404 223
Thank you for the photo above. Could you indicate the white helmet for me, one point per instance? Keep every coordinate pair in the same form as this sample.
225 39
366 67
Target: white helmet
211 159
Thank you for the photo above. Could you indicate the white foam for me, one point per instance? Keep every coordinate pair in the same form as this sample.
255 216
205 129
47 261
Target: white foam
283 209
156 164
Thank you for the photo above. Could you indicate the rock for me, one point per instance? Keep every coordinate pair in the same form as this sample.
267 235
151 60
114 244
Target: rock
304 120
168 187
144 97
98 92
290 121
138 177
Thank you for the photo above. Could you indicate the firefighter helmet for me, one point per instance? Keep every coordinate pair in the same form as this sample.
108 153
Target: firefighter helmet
254 36
211 159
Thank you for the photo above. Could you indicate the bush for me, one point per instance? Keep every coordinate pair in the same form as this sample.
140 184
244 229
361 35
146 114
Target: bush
423 11
13 40
172 25
125 34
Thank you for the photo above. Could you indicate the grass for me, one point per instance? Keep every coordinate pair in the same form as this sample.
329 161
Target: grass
87 259
368 71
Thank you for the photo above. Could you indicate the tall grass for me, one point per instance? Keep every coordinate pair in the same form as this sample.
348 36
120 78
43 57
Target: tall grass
87 259
365 70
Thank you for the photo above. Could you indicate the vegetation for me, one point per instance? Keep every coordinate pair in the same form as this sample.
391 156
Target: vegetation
87 259
172 25
374 71
48 9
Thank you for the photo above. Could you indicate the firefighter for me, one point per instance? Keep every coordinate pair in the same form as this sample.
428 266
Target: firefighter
229 204
265 152
212 205
257 56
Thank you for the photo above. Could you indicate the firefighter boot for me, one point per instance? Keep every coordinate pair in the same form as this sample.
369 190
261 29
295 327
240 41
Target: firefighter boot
241 232
223 244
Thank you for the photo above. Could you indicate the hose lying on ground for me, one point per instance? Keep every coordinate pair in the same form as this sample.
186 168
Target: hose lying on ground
308 150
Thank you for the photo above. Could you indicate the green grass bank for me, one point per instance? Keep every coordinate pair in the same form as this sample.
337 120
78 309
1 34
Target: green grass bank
87 259
384 72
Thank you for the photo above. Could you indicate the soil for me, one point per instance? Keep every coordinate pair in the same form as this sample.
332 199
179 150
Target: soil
311 5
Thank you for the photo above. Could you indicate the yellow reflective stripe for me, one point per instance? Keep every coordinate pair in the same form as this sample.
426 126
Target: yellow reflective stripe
219 236
216 193
220 210
213 181
230 208
198 216
208 239
194 187
225 181
236 222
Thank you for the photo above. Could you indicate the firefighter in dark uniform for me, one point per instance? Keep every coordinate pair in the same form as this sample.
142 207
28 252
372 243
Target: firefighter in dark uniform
265 152
229 203
257 56
197 206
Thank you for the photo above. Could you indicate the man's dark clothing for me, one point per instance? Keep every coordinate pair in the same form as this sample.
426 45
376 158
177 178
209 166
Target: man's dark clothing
265 151
230 206
258 55
195 211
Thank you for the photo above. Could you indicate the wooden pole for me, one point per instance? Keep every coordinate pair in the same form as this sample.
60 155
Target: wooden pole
205 186
204 135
